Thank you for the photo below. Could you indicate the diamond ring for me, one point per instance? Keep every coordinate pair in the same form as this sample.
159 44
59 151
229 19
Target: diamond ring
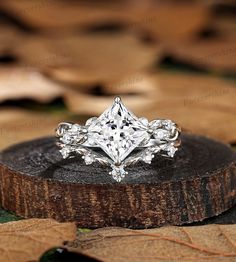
118 138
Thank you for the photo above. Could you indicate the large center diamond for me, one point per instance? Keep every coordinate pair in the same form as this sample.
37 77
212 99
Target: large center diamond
117 131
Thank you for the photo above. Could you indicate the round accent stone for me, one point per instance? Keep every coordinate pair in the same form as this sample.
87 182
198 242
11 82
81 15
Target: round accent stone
161 134
118 173
88 159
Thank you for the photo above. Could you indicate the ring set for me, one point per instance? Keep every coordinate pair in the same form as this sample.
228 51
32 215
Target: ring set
118 138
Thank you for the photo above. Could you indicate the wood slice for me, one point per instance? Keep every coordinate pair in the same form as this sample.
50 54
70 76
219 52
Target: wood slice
198 183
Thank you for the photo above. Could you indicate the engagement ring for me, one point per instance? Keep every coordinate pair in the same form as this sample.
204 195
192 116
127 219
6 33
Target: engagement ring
118 138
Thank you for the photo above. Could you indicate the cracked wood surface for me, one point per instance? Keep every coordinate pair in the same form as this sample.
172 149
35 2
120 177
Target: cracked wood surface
198 183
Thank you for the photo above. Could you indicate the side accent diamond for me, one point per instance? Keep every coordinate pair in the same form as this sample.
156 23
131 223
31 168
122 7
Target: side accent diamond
118 138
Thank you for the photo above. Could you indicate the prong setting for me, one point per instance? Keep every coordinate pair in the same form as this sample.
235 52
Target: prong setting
112 139
117 99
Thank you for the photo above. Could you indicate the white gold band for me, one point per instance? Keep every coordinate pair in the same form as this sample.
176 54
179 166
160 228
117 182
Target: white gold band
120 139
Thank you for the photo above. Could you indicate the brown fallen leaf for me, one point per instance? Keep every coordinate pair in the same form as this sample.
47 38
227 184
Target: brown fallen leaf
201 104
19 83
173 22
27 240
136 90
163 21
218 55
51 14
20 125
225 26
200 243
88 58
204 105
8 37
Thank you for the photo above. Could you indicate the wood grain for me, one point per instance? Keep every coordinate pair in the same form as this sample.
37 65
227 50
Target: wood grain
198 183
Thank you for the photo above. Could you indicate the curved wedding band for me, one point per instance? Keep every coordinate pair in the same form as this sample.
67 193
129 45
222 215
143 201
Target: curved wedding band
118 138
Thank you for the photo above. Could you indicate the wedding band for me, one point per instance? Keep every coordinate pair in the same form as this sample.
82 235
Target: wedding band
118 138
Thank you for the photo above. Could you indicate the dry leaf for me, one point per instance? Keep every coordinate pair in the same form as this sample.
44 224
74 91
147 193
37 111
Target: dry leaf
27 240
20 125
19 83
165 21
51 14
198 103
8 37
137 91
168 22
225 26
212 54
201 104
200 243
99 57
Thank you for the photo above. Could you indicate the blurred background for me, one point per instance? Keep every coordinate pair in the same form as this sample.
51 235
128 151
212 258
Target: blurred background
66 60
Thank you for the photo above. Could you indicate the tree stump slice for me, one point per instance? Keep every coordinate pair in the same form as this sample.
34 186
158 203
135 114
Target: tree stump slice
198 183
